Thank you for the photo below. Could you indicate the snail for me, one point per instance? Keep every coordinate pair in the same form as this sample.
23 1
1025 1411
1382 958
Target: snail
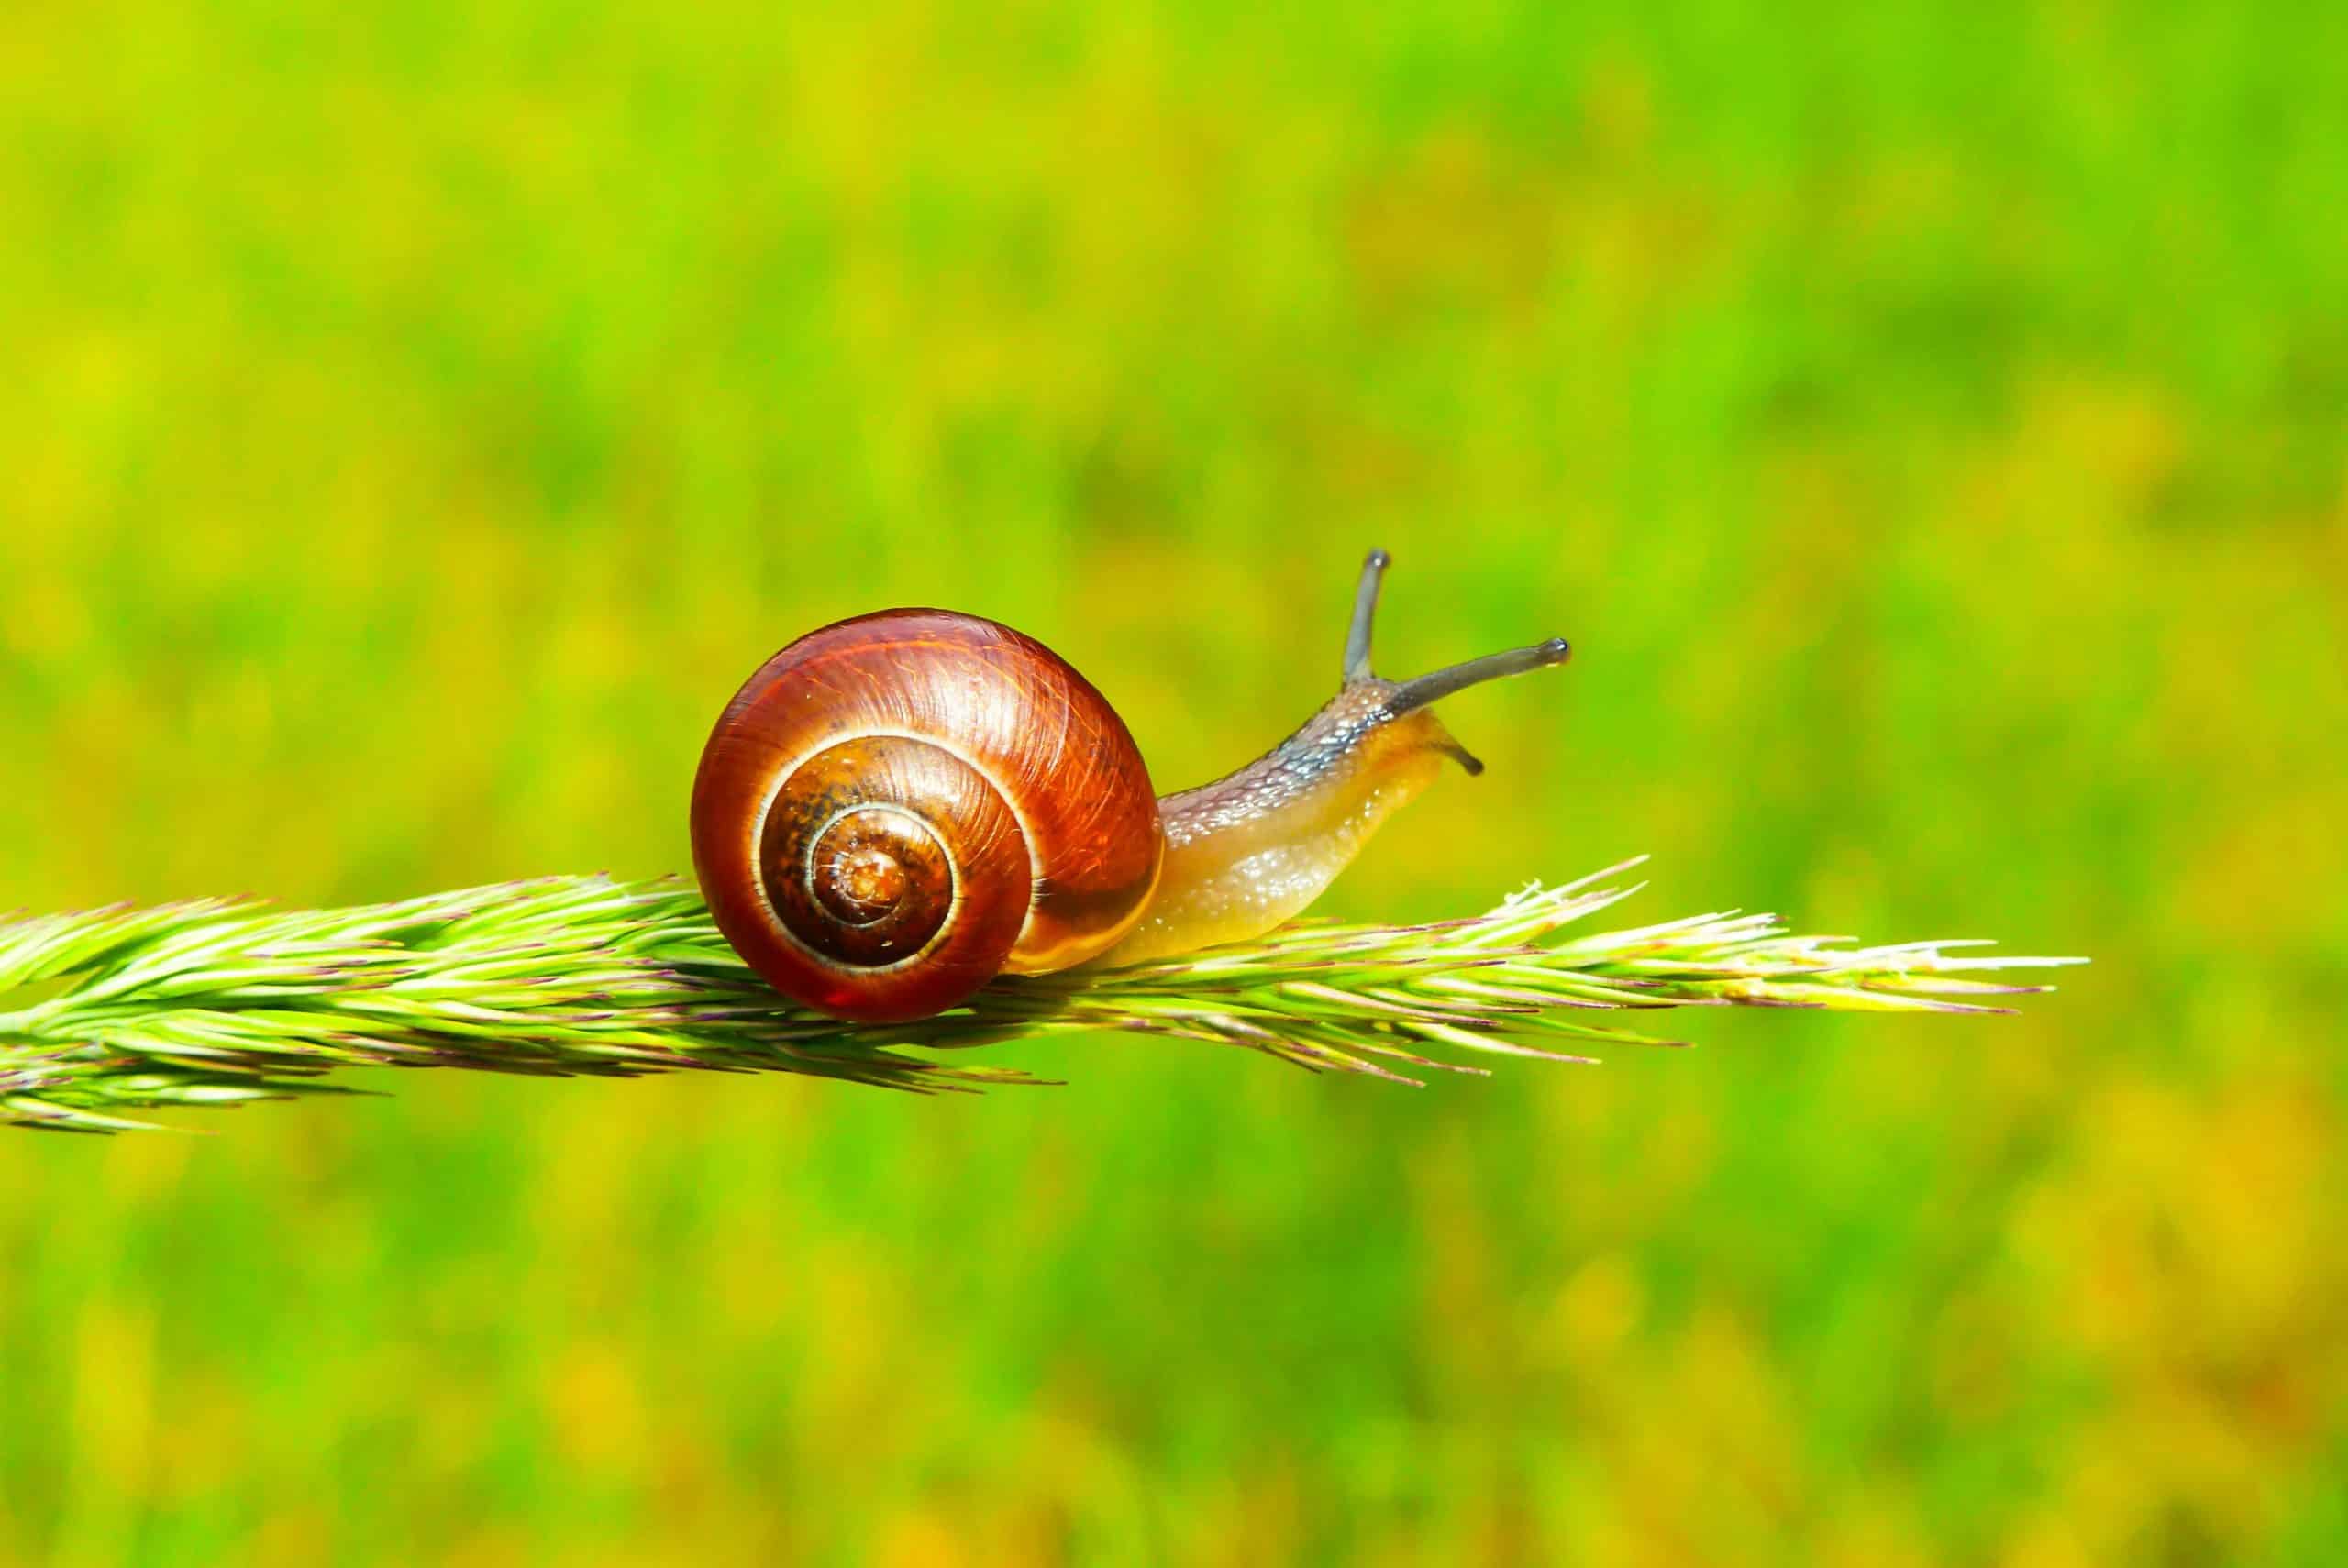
901 806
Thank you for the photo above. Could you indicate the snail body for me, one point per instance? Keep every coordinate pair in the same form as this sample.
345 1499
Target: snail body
898 807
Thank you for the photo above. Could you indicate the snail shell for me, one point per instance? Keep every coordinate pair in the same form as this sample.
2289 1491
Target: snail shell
898 807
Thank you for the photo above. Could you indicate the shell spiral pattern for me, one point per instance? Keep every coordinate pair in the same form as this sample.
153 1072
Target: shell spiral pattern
898 807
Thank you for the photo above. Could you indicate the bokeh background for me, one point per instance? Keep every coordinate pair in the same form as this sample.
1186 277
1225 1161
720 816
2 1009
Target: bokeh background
1929 421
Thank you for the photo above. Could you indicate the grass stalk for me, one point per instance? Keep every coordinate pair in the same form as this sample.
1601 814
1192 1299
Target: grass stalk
217 1002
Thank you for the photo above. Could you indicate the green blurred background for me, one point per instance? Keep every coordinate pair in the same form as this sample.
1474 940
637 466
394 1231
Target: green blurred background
1929 421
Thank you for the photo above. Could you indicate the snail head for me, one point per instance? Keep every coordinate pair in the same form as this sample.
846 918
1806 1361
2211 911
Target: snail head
1365 699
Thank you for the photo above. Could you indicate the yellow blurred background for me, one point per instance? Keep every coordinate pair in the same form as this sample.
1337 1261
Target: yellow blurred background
1927 421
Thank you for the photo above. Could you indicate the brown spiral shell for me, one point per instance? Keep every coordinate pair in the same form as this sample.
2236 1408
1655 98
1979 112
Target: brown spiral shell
898 807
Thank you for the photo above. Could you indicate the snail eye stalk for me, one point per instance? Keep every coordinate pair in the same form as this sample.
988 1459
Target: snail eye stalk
1411 695
1423 689
1373 571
